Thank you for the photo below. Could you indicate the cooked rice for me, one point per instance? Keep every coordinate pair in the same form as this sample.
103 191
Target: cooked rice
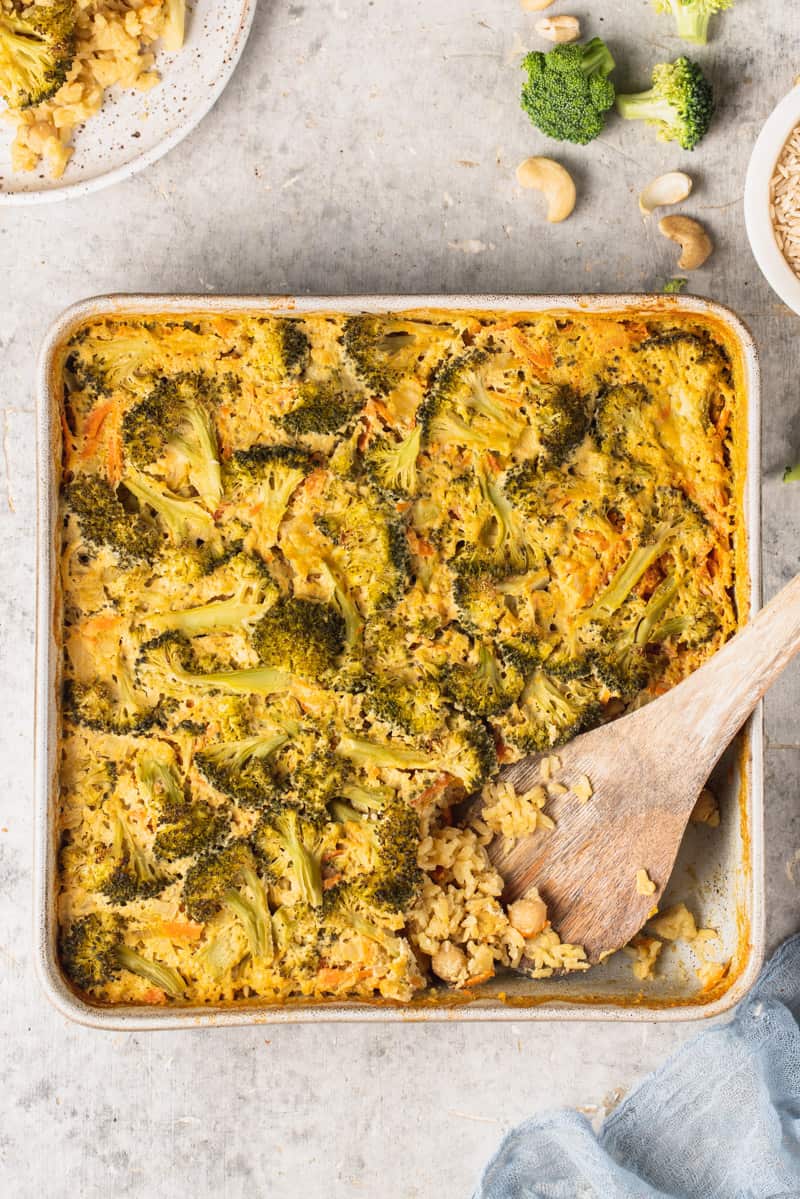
460 907
784 195
644 883
514 815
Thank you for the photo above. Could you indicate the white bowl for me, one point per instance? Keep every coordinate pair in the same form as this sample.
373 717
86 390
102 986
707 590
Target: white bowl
767 150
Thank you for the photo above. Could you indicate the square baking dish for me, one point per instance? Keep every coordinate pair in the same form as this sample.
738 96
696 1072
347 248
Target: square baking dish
719 872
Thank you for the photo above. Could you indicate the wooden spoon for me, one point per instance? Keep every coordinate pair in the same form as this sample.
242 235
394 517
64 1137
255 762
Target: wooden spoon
646 771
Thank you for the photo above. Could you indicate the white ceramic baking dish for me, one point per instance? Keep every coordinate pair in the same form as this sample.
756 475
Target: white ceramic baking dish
719 873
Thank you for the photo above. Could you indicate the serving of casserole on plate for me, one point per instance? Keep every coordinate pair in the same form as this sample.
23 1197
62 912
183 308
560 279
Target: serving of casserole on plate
314 572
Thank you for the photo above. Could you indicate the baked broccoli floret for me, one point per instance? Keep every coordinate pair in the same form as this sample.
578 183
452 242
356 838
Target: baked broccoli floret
290 846
383 348
104 521
253 594
392 878
484 686
129 875
37 46
301 637
240 769
159 779
101 365
174 417
185 520
190 831
367 563
626 421
229 879
112 706
93 953
548 713
323 408
170 662
680 104
624 665
507 540
623 581
351 905
412 707
459 408
392 465
281 348
692 16
568 92
316 778
475 593
466 752
562 421
264 479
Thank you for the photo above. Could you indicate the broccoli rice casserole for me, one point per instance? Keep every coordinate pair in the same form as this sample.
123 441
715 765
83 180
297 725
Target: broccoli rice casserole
321 576
57 57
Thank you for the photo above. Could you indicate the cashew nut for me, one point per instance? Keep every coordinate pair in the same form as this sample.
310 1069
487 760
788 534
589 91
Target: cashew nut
535 5
692 238
554 181
666 189
559 29
528 916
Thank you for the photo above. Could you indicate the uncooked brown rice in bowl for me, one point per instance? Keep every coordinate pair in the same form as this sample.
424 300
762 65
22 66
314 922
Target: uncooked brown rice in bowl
784 194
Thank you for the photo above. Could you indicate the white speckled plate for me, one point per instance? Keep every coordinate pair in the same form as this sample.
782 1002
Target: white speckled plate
134 128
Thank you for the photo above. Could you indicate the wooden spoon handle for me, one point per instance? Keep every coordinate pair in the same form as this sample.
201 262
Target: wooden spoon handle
714 702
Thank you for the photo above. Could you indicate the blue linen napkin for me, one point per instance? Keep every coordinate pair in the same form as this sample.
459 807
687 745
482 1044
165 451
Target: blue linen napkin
719 1120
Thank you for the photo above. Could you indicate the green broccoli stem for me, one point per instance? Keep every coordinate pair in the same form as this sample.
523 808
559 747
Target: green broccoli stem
657 605
597 58
164 977
646 106
692 21
258 680
307 868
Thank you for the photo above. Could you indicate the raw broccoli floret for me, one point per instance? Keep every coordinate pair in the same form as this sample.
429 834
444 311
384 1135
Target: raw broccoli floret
300 636
104 521
173 416
459 408
129 875
680 103
568 90
392 465
692 16
37 47
322 408
485 685
289 844
264 479
93 953
229 879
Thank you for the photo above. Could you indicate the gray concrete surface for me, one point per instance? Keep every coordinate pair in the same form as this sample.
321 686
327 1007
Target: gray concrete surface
362 145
